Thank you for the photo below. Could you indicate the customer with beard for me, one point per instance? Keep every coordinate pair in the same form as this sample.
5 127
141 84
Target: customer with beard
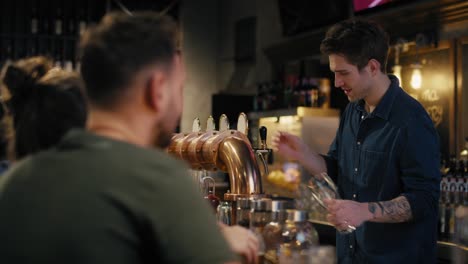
111 194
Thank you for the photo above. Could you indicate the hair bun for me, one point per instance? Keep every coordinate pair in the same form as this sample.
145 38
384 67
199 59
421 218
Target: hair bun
20 78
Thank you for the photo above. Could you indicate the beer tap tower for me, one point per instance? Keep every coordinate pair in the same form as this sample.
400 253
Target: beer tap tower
226 150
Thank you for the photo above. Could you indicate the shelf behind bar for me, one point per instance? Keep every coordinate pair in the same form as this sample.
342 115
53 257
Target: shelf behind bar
298 111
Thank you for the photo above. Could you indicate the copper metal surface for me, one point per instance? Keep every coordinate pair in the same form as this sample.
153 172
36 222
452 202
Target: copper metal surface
229 151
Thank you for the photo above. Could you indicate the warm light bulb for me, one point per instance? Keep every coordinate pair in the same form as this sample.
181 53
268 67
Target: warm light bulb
397 72
416 78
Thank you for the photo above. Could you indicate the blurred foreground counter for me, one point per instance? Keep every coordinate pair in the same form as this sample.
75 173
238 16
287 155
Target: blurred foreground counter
447 252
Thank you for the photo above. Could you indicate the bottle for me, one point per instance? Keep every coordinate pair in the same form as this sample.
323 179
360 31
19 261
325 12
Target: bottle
451 177
69 51
324 91
81 19
465 180
442 225
58 22
34 26
298 238
452 224
314 92
461 181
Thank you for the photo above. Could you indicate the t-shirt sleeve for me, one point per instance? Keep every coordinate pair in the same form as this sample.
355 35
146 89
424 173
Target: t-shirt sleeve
185 223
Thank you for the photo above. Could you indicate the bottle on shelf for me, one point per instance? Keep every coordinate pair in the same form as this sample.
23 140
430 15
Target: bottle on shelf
34 25
314 92
324 92
443 201
58 21
461 182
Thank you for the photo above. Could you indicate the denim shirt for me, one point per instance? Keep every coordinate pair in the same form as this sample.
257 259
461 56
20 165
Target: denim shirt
379 156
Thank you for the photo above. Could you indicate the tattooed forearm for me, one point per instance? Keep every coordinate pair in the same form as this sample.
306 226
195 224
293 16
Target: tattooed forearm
394 211
372 207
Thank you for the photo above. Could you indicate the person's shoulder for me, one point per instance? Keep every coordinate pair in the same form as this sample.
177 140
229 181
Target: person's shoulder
109 149
406 110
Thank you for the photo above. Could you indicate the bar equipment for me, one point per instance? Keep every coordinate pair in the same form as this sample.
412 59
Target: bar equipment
210 190
243 212
260 214
298 238
228 150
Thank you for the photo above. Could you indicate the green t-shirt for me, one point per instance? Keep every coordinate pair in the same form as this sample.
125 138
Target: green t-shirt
92 200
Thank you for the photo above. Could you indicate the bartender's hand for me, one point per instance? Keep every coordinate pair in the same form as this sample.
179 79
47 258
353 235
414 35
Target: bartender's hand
342 213
242 241
290 146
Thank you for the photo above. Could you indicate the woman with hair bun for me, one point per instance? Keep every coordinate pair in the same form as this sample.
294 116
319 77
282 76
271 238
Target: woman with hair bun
41 104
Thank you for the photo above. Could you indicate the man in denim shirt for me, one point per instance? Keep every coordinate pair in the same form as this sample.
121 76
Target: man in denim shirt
384 158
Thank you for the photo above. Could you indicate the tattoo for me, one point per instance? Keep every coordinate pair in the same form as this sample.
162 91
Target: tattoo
381 208
371 207
397 210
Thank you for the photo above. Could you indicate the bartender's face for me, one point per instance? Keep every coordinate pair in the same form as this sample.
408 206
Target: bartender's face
173 109
355 83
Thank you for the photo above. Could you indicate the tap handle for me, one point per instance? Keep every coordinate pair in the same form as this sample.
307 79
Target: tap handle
263 136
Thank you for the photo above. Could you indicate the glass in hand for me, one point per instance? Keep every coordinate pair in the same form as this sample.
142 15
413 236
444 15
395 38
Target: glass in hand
321 188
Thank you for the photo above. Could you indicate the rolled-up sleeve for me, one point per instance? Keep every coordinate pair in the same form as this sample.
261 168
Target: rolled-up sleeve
419 165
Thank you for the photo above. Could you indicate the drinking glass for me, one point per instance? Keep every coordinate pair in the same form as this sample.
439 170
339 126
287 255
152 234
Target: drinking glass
322 187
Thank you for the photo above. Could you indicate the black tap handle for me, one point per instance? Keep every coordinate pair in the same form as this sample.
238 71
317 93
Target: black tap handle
263 133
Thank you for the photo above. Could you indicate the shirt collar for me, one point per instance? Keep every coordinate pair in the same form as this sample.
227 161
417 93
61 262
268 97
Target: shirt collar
385 105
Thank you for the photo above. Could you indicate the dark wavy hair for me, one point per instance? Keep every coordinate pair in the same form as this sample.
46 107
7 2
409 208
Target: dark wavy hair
359 41
42 104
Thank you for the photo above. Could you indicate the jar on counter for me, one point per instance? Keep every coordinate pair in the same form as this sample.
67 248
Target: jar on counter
298 238
272 232
260 213
243 212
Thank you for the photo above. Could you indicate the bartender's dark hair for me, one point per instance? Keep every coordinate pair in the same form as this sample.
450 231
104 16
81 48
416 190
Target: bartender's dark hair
359 41
119 47
42 103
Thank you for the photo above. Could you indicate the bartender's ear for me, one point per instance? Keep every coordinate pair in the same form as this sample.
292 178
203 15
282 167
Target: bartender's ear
155 90
374 66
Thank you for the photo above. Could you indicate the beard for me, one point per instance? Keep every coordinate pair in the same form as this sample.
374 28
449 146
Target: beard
165 133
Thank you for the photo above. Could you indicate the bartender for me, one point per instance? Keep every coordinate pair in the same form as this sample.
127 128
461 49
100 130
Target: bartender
384 157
